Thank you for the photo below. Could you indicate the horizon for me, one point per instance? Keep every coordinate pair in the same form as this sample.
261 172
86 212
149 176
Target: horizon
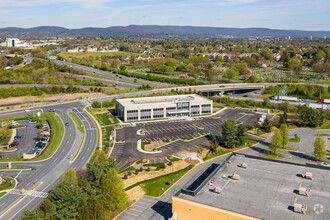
73 14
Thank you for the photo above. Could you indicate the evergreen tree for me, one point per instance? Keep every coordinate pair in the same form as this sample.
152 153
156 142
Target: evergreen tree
113 195
90 209
285 134
240 135
70 177
266 126
320 150
277 141
283 118
229 134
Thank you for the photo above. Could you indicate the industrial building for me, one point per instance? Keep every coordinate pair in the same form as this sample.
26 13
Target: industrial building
15 42
250 187
148 108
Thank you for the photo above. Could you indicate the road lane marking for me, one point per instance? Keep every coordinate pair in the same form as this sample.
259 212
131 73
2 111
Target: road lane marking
18 174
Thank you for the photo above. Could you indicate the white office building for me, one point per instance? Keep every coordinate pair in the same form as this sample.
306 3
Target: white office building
148 108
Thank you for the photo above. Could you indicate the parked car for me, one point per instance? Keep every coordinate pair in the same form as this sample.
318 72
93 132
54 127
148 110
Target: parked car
44 138
45 129
39 127
14 144
46 133
18 137
40 144
51 110
37 151
325 164
67 123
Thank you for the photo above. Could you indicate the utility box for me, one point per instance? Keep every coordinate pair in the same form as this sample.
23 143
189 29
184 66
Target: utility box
243 165
305 192
307 175
235 177
217 190
300 208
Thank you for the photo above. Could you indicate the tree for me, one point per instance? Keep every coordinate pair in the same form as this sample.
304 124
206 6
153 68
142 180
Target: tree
266 126
253 79
285 106
113 195
283 118
231 74
320 150
242 68
276 142
70 177
240 135
90 209
285 134
214 145
266 103
310 117
229 134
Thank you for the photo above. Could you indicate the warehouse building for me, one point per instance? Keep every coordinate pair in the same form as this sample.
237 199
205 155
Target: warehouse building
148 108
250 187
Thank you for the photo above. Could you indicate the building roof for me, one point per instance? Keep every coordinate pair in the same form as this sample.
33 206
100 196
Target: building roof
266 190
147 101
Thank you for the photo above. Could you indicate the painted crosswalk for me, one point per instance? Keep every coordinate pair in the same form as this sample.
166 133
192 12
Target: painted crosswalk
29 193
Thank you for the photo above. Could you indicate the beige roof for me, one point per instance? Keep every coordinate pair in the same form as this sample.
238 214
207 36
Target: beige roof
161 101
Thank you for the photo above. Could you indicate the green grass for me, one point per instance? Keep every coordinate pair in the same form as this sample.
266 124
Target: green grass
173 159
78 122
57 135
15 168
204 133
152 187
188 138
2 194
128 169
21 117
326 125
290 149
158 165
7 185
322 135
271 155
219 153
249 142
103 119
295 139
143 143
106 132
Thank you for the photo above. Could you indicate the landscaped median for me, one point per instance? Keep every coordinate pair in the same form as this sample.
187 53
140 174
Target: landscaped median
6 184
57 133
81 128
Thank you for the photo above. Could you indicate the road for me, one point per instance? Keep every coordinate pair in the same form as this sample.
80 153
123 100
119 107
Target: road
111 75
50 171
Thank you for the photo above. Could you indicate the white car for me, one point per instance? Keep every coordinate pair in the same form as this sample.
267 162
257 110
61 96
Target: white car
46 133
325 164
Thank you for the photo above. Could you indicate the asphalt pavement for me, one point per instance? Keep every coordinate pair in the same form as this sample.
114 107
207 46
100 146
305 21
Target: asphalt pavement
49 172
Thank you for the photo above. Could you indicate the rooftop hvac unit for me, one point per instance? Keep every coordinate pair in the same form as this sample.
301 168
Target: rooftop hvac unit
300 208
243 165
217 190
235 177
307 175
305 191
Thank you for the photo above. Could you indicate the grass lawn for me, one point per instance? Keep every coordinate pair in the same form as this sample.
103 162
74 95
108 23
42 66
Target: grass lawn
296 139
154 186
78 122
322 135
271 155
249 142
143 143
103 118
2 194
219 153
173 159
94 54
57 136
326 125
21 117
106 132
14 168
6 184
158 165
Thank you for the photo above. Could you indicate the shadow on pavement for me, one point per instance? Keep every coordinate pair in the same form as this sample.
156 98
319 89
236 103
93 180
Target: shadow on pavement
163 208
300 155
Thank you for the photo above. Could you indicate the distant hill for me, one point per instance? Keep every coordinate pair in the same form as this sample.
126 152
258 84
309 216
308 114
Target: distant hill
162 31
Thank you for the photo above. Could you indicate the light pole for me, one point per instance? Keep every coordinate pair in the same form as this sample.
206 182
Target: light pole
129 161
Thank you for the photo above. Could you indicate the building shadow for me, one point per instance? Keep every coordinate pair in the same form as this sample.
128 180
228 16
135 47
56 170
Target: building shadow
163 208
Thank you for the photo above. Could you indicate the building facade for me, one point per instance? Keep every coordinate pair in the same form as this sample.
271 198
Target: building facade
138 109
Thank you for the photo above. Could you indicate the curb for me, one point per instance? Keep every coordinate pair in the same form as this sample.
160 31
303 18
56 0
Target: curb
99 129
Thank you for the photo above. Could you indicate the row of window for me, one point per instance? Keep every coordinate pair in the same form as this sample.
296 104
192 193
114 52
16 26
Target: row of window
145 110
158 116
132 118
132 111
206 105
145 117
206 112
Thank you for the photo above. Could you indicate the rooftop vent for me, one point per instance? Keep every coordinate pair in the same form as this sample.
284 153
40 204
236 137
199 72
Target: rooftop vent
235 177
243 165
305 191
307 175
300 208
217 190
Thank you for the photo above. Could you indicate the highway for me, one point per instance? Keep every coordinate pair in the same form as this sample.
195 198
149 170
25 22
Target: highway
49 172
111 75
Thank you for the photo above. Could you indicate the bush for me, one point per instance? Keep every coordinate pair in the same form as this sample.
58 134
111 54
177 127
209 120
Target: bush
125 177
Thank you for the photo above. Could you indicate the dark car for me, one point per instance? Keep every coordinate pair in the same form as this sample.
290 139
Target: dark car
34 150
40 145
221 86
51 110
39 126
18 137
43 138
67 123
14 144
120 77
135 80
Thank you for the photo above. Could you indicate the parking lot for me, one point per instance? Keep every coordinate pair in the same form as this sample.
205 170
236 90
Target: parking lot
175 129
29 135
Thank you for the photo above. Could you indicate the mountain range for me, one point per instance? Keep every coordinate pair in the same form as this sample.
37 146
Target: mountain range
161 31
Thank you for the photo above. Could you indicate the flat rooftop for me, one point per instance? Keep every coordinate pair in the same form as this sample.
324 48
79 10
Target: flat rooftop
131 102
267 190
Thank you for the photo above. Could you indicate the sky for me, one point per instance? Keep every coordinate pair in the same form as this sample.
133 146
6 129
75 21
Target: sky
311 15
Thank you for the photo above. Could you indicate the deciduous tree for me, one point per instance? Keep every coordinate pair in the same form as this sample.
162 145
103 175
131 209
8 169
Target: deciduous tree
320 150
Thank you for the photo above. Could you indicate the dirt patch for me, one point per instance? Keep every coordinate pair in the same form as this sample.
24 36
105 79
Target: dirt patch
145 175
25 101
111 120
152 145
135 194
